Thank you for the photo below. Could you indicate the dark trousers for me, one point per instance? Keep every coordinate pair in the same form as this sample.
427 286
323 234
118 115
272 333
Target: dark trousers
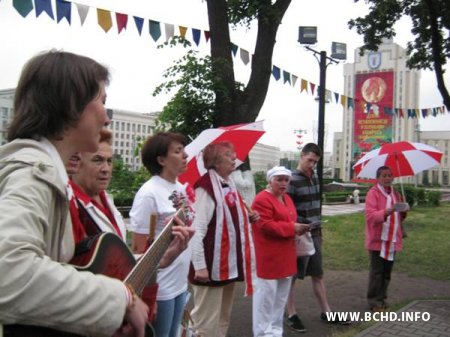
379 278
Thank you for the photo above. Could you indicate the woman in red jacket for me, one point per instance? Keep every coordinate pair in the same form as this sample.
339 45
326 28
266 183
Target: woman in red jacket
274 237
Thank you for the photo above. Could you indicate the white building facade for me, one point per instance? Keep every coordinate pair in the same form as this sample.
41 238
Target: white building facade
6 112
374 82
264 157
129 130
401 88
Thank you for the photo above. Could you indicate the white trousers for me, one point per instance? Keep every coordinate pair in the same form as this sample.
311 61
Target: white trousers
269 301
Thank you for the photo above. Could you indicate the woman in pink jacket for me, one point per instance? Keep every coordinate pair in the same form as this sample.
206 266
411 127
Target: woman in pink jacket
276 258
383 235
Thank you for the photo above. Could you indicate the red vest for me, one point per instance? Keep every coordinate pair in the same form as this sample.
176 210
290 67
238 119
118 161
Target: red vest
209 239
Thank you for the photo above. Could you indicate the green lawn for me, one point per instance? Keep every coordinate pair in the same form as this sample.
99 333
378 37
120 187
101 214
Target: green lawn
425 252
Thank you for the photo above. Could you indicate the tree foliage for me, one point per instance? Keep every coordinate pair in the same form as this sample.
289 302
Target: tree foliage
125 183
430 27
191 108
207 92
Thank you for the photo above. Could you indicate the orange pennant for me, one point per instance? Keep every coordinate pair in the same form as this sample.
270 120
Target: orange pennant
104 19
183 31
304 85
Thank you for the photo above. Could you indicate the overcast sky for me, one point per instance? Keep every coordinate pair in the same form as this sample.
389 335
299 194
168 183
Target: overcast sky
137 65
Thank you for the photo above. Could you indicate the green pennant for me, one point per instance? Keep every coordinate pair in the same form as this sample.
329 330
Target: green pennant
24 7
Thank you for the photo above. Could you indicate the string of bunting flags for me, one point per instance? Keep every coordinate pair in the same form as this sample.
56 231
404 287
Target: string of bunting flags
105 21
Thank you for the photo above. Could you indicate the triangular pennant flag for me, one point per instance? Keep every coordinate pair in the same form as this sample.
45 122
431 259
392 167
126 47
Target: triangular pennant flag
410 113
244 56
312 86
294 79
286 77
122 21
303 85
183 31
196 35
24 7
336 97
388 111
44 6
417 113
276 72
169 30
425 112
104 19
155 30
344 101
139 23
234 49
82 12
207 35
401 113
63 10
350 102
327 96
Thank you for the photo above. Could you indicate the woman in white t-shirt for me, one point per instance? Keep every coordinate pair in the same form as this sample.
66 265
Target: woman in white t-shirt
164 157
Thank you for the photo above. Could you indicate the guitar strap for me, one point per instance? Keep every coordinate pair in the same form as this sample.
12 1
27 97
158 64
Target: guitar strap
90 226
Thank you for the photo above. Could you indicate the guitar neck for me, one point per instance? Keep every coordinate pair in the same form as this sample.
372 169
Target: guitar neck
148 263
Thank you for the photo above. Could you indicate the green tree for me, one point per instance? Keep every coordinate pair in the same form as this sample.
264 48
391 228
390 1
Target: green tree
431 24
121 182
208 94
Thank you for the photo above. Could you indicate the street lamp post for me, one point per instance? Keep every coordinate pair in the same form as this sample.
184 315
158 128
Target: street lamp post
308 36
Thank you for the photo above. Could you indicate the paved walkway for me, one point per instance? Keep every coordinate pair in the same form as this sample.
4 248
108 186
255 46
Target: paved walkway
338 209
433 321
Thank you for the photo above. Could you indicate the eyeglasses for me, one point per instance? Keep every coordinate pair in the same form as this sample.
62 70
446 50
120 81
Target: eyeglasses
99 161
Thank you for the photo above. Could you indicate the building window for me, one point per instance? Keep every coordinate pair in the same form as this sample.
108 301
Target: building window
445 178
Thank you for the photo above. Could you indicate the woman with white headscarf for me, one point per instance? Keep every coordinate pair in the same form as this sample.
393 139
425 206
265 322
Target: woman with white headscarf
274 237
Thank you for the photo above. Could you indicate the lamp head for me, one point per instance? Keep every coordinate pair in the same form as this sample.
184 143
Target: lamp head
307 35
339 50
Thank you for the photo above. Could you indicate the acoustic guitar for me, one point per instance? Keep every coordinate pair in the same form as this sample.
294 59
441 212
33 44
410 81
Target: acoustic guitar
107 254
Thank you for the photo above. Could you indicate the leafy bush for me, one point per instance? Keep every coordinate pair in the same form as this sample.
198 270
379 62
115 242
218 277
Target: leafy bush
125 183
433 198
421 196
410 194
260 181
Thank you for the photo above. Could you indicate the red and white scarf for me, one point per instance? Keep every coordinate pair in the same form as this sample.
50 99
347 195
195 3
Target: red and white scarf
224 265
390 227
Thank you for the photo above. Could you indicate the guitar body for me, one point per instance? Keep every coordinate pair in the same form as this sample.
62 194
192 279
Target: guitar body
104 254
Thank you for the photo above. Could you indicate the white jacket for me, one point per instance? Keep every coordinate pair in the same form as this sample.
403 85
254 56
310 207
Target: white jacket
35 232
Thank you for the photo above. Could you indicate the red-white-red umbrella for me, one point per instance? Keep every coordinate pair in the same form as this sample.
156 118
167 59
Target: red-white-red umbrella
403 158
242 136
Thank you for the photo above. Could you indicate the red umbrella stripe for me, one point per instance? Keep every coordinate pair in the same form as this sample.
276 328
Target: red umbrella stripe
245 138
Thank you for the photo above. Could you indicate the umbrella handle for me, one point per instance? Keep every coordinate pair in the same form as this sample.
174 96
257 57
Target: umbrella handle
401 180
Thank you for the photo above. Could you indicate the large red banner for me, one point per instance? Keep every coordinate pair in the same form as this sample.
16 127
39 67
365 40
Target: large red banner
372 126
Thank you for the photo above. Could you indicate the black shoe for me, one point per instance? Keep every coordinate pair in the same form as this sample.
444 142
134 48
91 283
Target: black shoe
295 323
335 319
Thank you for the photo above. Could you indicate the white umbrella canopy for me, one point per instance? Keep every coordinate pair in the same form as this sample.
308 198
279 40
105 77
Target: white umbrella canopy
403 158
242 136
